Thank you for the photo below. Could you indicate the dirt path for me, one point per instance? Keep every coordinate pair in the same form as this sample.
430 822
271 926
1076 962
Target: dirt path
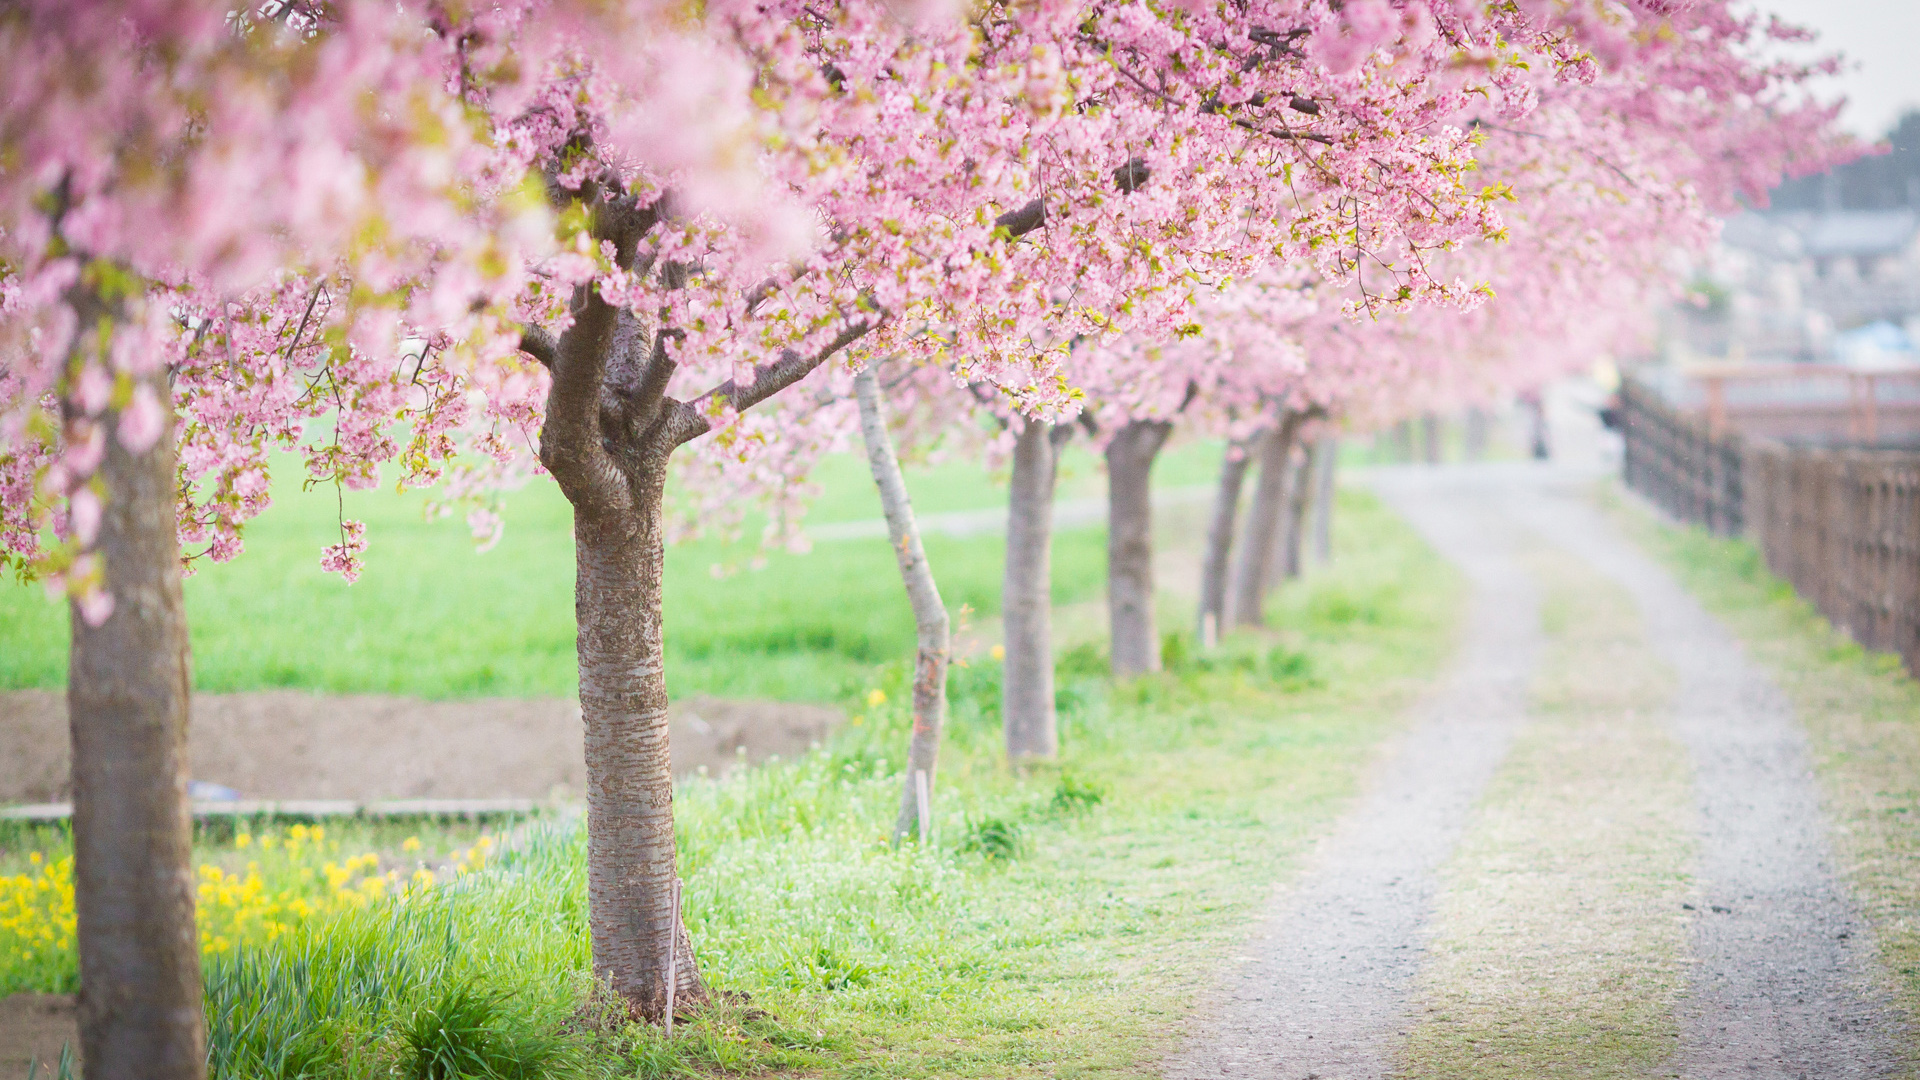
1342 981
1328 988
1783 960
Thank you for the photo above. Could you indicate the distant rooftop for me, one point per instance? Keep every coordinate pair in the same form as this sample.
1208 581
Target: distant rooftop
1824 234
1883 181
1858 232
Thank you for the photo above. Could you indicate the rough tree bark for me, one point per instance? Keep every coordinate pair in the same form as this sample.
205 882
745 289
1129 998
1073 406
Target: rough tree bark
1326 453
607 435
929 613
127 685
1130 454
1026 601
1215 563
1253 571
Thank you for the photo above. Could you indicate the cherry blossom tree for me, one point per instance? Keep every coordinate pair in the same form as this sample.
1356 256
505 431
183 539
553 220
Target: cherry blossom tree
462 246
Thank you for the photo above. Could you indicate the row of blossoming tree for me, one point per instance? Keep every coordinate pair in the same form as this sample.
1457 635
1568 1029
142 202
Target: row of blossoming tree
456 244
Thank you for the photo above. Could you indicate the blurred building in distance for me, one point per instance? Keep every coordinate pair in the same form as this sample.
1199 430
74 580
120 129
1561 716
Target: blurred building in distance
1828 272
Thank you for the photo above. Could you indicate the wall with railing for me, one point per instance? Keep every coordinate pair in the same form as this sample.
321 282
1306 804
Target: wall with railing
1841 523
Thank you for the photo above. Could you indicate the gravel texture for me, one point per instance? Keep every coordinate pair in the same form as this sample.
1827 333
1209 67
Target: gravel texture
1326 988
1784 981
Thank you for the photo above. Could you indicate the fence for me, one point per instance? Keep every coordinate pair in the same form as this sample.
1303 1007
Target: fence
1841 524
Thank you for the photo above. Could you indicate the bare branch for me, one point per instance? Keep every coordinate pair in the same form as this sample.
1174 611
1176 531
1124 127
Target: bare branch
1020 222
540 345
690 419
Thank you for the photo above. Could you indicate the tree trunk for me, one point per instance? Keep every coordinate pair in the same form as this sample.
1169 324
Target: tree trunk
1214 565
1535 404
140 990
1476 434
631 859
1430 432
1026 602
608 432
1326 454
1299 492
1253 571
613 471
929 613
1130 454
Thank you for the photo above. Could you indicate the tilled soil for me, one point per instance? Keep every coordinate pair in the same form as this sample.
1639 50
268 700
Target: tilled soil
33 1028
286 744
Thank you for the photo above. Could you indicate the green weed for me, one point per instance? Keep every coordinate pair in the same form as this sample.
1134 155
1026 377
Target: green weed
1074 792
992 838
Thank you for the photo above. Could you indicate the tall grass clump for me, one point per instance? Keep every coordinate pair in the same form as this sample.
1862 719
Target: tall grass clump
474 978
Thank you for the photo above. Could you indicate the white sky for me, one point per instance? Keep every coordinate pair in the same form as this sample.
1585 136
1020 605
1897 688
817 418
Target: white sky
1881 39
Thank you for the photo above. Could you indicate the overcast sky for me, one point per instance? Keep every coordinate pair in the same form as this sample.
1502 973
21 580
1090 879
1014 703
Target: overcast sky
1881 38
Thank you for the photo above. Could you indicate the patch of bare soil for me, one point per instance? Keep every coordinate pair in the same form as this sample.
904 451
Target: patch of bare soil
287 744
33 1027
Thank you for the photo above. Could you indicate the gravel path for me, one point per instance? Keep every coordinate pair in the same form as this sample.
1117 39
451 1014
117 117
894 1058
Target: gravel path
1782 962
1327 988
1782 982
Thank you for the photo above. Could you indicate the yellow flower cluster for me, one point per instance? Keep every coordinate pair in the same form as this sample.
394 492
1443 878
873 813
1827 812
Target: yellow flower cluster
237 907
295 877
36 914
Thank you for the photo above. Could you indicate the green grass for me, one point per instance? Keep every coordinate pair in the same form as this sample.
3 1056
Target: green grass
433 618
1059 924
1862 715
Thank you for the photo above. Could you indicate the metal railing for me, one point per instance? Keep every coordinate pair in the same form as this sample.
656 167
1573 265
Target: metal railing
1841 524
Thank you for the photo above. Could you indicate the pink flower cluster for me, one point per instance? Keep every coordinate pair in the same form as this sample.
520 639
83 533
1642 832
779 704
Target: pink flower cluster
330 224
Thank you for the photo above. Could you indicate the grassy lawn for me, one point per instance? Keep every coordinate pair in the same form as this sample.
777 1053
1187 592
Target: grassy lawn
1861 712
433 618
1059 923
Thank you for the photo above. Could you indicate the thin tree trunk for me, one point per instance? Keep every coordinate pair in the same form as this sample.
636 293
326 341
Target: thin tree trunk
1299 491
1430 432
1535 404
1214 566
1026 603
1130 454
1253 571
127 686
1476 434
1326 454
929 613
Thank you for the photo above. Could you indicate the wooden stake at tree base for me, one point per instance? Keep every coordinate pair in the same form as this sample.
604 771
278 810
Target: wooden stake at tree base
673 956
925 799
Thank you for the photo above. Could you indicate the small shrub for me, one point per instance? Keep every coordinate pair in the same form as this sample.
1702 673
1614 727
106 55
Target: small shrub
1071 699
993 838
1290 667
1074 792
1178 654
